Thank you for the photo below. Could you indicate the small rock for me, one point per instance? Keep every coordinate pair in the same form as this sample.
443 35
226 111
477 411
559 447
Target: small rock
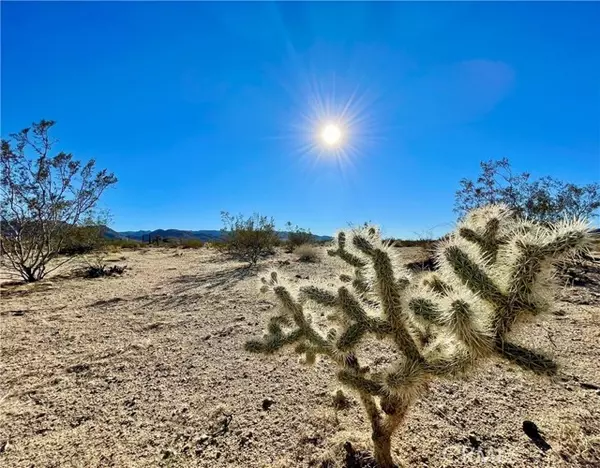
78 368
474 441
207 337
4 445
267 403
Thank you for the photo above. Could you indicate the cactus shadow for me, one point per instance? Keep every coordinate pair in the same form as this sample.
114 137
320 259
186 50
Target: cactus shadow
220 280
528 359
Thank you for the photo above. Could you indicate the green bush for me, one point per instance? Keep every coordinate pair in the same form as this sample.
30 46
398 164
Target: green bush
191 244
251 238
125 244
545 200
219 245
307 253
80 240
425 243
297 236
45 193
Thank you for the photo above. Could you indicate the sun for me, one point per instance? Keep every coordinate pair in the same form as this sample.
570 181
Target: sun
331 135
332 122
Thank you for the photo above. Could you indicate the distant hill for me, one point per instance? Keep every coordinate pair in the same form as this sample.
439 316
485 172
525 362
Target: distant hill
112 234
204 235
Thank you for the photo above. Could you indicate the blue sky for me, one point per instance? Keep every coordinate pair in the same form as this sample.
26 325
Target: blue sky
200 107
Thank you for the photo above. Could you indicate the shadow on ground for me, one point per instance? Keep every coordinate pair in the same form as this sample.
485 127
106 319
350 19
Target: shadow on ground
218 280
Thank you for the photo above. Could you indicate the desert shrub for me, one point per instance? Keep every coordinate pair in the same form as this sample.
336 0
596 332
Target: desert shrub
307 253
424 243
42 198
297 236
168 242
340 401
219 246
104 270
80 240
157 241
544 200
495 272
125 244
251 238
191 244
97 266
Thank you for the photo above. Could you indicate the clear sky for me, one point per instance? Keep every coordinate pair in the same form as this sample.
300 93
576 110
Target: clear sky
200 107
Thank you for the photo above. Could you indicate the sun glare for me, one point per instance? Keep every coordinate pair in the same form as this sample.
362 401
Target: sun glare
331 135
332 121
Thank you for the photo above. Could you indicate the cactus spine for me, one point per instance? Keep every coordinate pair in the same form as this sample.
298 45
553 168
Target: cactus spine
493 271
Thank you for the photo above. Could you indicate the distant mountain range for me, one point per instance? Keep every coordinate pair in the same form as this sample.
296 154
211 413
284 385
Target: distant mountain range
204 235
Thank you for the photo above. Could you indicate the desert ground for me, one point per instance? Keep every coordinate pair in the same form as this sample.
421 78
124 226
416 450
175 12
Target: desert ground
148 369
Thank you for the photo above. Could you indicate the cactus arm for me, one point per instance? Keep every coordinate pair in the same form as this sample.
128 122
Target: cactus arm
310 342
461 323
426 309
488 242
472 275
390 296
355 380
529 260
342 253
435 283
353 310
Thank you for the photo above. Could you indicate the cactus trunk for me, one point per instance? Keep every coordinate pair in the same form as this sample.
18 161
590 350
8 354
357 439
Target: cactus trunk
382 443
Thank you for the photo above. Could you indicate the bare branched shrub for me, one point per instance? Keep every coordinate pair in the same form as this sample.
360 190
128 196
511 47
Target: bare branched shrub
543 200
251 238
43 197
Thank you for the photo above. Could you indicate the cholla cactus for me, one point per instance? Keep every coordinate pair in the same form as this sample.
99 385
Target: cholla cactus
494 271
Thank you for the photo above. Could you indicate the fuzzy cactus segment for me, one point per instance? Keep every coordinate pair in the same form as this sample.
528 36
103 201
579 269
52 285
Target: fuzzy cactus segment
493 272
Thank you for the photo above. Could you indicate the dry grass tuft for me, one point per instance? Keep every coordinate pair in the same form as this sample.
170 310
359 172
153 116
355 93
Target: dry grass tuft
307 253
579 446
340 400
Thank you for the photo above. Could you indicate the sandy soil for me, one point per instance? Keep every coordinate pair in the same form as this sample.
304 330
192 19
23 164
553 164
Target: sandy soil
148 369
